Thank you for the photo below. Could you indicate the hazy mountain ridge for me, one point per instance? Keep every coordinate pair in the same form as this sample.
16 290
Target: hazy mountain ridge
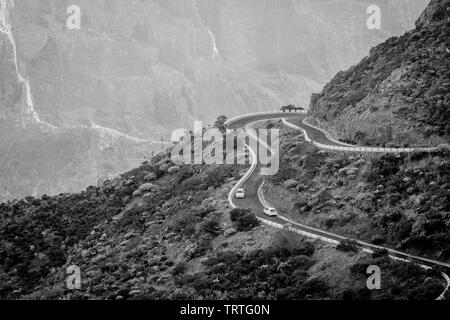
144 68
400 94
79 156
37 157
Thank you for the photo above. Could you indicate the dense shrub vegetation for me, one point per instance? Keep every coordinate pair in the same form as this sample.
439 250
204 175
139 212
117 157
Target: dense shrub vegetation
401 281
244 219
400 200
348 246
40 235
275 273
165 232
283 271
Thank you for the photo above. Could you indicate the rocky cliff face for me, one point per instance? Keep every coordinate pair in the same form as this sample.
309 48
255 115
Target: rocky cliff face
39 156
147 67
144 68
400 94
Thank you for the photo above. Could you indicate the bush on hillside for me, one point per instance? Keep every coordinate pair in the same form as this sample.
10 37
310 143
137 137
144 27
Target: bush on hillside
244 219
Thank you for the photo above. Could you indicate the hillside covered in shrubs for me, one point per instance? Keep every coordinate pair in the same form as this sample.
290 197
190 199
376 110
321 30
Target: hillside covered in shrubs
399 95
396 200
166 232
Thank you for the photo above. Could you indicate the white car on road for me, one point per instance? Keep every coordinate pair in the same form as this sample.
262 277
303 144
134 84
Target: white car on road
240 194
271 212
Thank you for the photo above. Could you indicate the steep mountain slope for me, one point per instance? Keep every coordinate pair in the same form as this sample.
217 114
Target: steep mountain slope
400 93
144 68
401 201
166 232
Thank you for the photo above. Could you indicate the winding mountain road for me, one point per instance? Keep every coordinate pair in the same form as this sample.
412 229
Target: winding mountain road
252 182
